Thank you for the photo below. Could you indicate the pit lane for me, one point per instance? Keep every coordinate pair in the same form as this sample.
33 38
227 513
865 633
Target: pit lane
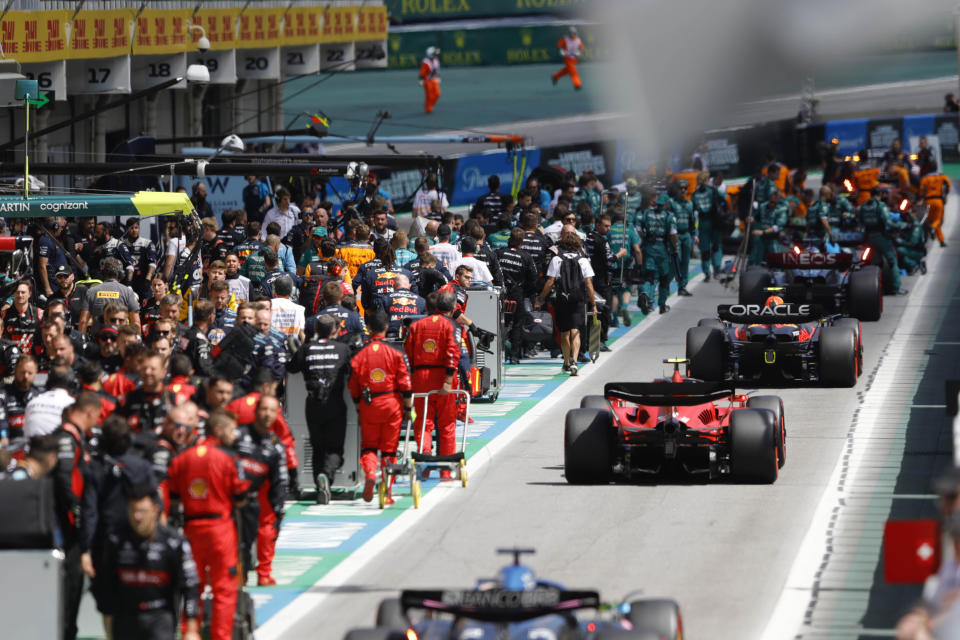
725 551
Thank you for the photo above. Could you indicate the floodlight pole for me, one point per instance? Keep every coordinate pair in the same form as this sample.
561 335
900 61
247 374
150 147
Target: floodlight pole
26 150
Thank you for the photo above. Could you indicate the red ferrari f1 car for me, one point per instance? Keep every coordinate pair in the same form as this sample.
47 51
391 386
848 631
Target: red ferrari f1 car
636 429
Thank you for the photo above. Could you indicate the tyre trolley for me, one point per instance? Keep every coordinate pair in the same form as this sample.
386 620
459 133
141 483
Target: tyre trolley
413 463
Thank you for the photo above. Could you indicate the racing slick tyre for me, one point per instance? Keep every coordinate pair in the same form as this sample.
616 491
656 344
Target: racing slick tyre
854 325
594 402
588 446
390 615
774 405
705 353
753 447
713 323
838 357
752 283
661 617
375 634
865 294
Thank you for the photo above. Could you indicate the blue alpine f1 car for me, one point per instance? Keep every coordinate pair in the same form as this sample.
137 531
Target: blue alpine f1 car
516 605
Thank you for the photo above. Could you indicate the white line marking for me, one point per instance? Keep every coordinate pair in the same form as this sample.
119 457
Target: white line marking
787 618
281 621
866 88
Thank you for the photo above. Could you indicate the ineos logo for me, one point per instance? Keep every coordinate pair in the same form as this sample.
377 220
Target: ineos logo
762 310
809 259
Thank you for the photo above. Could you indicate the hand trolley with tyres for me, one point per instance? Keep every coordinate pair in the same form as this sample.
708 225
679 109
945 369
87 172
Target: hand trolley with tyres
413 463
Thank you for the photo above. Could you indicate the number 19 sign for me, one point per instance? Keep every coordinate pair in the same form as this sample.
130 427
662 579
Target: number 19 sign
222 65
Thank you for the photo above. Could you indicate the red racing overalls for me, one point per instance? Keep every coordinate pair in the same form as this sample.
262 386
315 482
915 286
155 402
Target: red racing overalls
433 349
379 380
206 478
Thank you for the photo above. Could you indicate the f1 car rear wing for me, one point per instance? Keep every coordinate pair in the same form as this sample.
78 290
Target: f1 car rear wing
500 605
809 260
669 394
762 314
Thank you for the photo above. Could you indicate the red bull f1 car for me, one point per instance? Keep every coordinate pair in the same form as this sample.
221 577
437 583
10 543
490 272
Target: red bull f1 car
636 429
517 605
776 344
839 282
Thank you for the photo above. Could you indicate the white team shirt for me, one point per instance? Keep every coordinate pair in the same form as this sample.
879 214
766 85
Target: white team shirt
287 316
447 255
553 270
480 269
44 413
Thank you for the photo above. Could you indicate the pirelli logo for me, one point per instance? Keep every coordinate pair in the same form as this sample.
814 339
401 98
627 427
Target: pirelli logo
110 295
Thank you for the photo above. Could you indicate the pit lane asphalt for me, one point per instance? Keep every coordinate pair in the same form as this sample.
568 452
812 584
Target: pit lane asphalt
722 549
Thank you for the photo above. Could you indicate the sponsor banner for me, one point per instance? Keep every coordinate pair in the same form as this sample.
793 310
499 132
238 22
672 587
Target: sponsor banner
220 25
417 10
916 126
946 128
372 23
472 171
301 25
339 24
851 135
881 133
723 152
34 36
492 46
595 156
99 34
259 28
223 192
161 31
46 36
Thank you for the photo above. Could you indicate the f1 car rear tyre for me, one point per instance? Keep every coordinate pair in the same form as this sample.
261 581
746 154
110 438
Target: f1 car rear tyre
375 634
838 357
774 405
659 616
594 402
753 447
752 283
705 351
588 446
854 325
713 323
865 294
390 615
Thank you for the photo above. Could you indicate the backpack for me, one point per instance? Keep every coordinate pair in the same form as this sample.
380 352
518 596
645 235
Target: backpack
570 282
311 290
235 352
